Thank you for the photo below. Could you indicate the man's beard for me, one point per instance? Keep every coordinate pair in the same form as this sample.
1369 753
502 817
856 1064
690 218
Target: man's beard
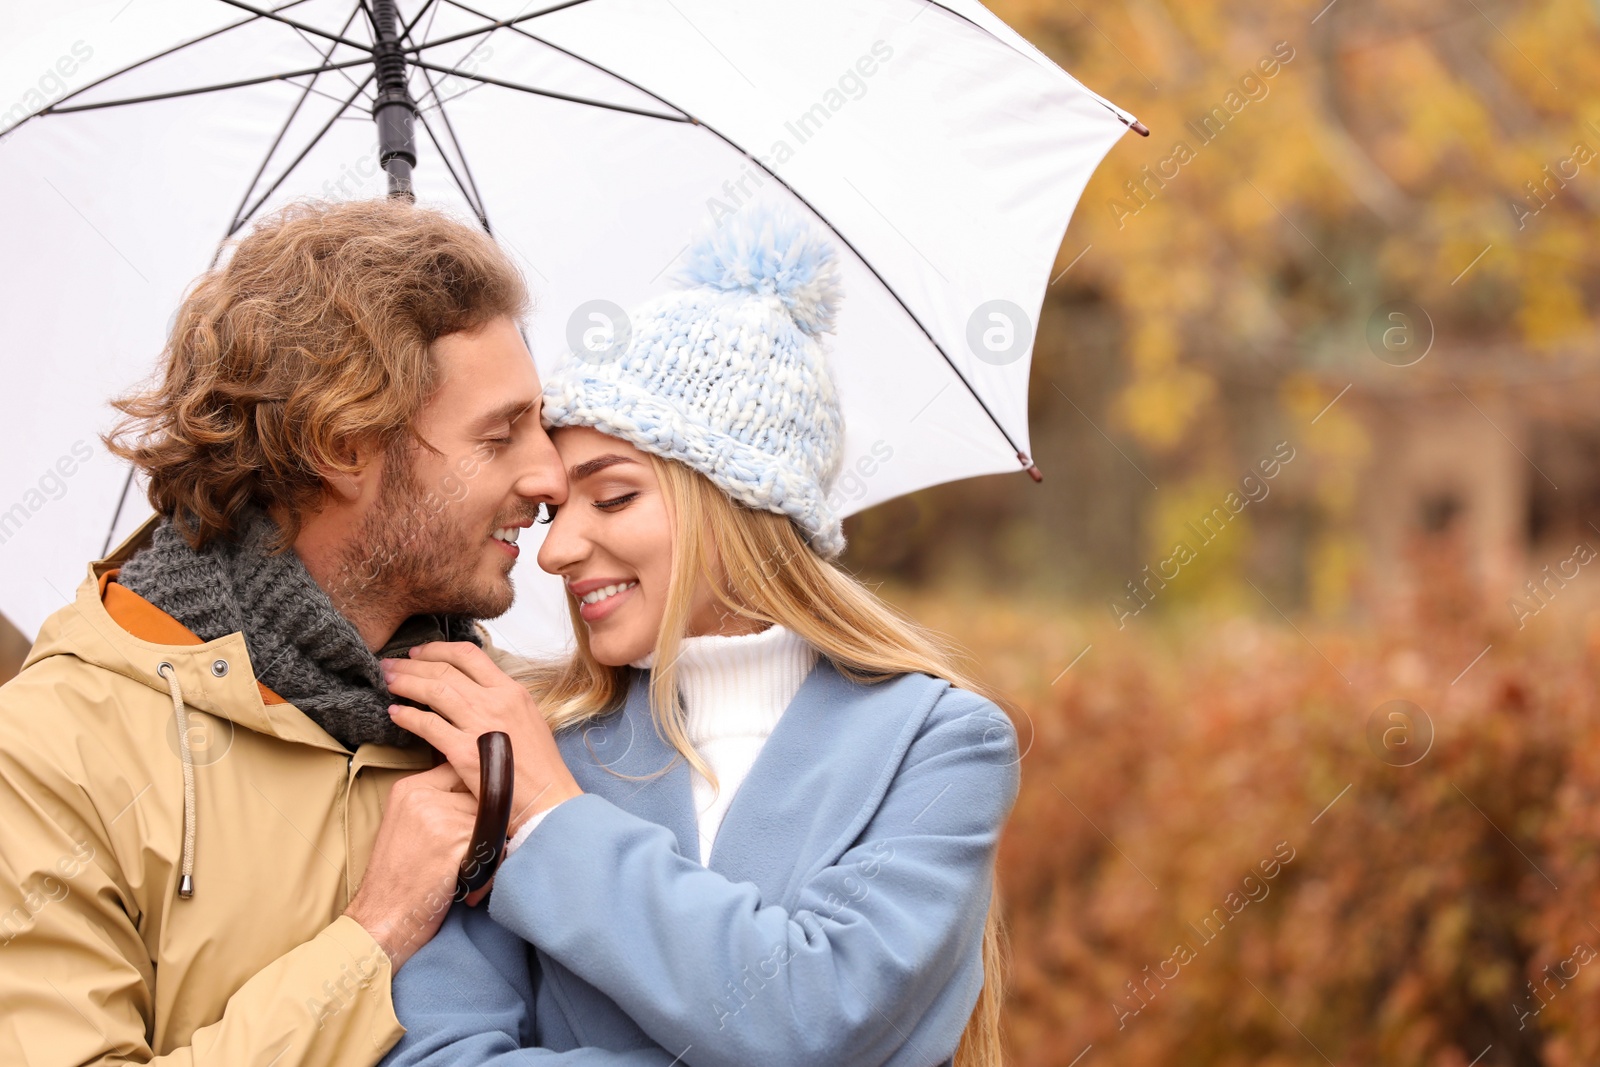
412 552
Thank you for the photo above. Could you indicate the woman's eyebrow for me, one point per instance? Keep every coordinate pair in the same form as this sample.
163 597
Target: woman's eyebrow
599 463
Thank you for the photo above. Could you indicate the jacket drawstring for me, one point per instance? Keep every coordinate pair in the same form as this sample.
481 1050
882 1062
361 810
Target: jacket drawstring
186 882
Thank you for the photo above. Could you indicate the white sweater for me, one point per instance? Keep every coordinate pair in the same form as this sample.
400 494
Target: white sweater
735 688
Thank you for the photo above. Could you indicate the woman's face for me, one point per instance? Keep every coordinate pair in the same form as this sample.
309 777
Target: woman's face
612 542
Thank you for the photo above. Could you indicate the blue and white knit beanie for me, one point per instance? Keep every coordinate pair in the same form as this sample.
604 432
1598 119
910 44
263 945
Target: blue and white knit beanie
726 374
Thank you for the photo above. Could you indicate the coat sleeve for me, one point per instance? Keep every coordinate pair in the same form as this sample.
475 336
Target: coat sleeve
466 999
76 977
878 961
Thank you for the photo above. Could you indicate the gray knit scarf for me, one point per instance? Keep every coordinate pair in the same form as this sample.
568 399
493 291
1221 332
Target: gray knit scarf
300 646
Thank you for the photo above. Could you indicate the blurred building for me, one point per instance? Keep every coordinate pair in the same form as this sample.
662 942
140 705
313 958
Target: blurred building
1502 455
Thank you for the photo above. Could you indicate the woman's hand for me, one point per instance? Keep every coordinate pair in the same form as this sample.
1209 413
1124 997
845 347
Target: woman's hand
473 696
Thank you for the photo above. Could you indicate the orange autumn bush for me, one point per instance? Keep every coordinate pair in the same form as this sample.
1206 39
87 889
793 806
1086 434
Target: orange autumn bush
1211 865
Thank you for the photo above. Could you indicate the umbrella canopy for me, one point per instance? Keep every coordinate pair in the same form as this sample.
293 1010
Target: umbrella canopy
593 138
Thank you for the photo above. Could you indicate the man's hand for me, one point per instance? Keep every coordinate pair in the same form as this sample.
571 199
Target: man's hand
472 696
411 877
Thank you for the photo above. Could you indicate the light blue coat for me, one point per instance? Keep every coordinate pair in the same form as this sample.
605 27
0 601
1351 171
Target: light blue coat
839 921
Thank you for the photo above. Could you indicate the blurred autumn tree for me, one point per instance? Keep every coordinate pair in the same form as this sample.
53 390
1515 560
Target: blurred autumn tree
1307 164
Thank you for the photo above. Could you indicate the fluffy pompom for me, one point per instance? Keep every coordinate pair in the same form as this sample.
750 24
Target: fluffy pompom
769 250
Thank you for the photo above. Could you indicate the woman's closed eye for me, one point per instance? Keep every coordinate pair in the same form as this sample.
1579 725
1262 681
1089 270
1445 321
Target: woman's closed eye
615 502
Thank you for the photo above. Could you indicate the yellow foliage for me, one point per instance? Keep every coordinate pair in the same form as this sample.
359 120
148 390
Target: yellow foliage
1333 563
1414 151
1552 309
1158 408
1190 514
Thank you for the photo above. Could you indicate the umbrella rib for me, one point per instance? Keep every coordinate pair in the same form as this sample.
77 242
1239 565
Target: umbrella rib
477 208
574 55
117 515
466 168
275 17
440 101
548 92
496 24
430 5
278 140
128 481
937 347
372 20
1132 123
365 60
239 222
325 57
329 96
514 24
737 148
476 197
159 55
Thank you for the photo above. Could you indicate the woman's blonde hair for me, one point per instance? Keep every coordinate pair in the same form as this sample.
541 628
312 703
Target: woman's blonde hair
773 576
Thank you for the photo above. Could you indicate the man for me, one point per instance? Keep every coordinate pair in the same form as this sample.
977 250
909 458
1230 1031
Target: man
216 847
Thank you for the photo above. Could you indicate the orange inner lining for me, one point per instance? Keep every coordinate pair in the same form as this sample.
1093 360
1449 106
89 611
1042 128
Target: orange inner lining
147 622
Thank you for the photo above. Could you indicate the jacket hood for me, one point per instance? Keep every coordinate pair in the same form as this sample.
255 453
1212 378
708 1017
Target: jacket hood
110 626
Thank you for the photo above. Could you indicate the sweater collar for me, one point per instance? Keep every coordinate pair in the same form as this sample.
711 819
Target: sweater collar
727 649
738 684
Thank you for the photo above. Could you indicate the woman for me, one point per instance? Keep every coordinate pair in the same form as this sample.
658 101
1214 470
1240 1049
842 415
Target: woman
791 864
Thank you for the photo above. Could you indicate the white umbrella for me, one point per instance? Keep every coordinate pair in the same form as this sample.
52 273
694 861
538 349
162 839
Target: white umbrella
593 137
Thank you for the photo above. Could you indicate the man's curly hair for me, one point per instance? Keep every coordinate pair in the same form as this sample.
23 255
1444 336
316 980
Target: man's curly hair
311 338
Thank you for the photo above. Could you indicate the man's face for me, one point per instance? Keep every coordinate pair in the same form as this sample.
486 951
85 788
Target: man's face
437 537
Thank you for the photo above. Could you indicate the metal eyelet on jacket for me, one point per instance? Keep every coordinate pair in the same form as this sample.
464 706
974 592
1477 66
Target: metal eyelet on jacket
170 673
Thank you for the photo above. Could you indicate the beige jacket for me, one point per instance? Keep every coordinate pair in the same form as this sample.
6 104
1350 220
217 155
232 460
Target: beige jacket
101 960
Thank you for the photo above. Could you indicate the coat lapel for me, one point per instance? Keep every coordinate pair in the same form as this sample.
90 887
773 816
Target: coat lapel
619 756
615 756
814 787
818 779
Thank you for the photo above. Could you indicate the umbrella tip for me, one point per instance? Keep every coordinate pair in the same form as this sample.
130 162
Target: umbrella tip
1029 466
1139 128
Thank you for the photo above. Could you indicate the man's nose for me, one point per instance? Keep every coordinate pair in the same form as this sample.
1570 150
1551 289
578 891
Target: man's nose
542 477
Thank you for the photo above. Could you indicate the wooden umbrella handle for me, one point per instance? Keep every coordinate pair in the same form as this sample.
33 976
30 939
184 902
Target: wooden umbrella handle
495 781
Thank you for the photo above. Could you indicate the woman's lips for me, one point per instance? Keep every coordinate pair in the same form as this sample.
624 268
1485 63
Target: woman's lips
592 613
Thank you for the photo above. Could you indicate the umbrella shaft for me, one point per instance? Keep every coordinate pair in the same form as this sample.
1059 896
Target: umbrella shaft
395 112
